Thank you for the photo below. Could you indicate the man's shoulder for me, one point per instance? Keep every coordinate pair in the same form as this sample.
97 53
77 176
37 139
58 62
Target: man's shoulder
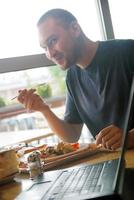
115 47
117 43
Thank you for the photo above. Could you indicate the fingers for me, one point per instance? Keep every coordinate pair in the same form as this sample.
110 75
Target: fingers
113 143
32 101
104 132
26 97
110 137
29 98
116 145
21 96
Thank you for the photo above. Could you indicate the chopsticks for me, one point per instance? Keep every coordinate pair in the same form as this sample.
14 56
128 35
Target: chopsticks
31 88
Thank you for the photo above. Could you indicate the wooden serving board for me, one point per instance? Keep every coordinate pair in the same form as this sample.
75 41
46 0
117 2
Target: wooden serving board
56 161
50 163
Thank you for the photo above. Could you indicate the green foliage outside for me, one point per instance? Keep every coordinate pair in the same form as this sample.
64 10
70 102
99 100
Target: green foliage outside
44 91
2 102
58 76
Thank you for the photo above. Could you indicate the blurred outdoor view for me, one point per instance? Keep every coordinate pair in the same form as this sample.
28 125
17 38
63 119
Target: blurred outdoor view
49 83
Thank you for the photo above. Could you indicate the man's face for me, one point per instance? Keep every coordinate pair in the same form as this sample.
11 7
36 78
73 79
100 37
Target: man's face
59 42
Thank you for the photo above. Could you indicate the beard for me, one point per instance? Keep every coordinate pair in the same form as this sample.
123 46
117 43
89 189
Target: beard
72 57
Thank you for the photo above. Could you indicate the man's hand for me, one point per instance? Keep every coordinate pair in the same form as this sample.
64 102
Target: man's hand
31 100
110 137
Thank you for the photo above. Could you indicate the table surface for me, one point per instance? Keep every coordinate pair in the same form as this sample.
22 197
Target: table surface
11 190
26 136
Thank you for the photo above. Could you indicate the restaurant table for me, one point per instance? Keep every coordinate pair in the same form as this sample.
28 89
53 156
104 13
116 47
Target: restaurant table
26 136
11 190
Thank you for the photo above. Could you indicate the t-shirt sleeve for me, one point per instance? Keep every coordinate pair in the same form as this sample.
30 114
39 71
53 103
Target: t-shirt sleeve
71 114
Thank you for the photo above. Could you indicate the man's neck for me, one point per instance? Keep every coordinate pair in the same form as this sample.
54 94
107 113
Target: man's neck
88 51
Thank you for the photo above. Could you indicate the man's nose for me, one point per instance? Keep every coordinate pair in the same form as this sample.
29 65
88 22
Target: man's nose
50 53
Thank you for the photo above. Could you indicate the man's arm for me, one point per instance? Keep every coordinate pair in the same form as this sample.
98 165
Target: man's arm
66 131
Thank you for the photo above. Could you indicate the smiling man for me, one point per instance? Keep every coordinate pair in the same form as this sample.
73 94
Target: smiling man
99 77
63 40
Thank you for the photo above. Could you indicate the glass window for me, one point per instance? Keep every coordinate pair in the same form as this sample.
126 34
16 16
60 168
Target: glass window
50 85
49 80
122 18
18 20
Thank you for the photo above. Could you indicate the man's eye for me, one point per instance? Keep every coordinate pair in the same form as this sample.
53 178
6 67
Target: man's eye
52 41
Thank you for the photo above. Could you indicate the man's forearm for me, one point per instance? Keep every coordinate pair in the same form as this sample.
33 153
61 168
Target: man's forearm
32 101
67 132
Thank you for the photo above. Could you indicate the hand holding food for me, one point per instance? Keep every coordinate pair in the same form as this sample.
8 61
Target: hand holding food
31 100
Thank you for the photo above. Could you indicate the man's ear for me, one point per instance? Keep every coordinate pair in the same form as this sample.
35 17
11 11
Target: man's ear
75 27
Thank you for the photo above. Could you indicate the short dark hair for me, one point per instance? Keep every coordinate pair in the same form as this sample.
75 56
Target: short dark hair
60 14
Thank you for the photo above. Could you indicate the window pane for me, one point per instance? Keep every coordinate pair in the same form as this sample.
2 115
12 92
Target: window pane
122 13
50 80
13 117
18 20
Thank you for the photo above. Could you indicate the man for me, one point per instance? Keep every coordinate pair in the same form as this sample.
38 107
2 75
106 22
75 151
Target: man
98 81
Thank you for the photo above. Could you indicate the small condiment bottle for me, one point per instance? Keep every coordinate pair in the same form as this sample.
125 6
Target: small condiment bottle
34 164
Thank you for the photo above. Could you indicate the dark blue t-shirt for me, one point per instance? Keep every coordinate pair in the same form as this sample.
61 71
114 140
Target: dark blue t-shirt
98 95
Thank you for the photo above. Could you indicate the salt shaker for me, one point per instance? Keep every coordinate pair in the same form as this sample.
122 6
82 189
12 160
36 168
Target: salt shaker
34 164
